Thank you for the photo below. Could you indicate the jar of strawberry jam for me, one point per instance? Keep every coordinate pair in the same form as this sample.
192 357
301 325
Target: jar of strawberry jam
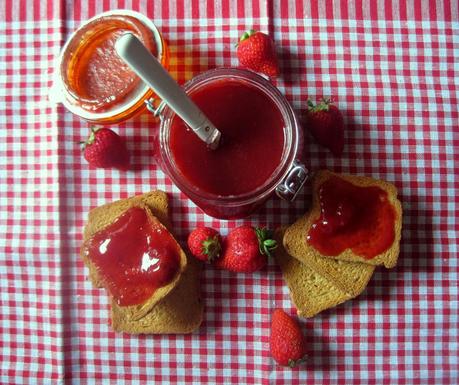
257 155
92 81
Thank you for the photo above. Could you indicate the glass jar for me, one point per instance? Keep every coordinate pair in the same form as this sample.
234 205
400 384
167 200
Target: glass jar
92 81
288 176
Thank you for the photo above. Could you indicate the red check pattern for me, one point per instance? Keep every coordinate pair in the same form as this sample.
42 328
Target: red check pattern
390 65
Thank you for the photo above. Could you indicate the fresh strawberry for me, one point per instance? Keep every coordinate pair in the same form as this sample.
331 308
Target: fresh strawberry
246 249
256 51
325 122
205 243
287 343
105 148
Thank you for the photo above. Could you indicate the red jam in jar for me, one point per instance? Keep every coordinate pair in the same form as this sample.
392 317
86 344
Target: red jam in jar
134 256
352 217
258 154
252 140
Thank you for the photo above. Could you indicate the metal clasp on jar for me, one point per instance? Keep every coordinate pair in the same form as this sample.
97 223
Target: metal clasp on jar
156 111
289 188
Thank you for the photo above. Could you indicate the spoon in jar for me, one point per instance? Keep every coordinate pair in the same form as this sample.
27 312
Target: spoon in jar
150 70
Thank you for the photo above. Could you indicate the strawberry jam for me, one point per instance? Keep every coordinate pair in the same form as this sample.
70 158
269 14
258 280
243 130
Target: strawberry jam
134 256
352 217
252 130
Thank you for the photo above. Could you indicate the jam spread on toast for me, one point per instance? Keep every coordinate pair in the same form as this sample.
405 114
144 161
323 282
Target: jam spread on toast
134 256
359 218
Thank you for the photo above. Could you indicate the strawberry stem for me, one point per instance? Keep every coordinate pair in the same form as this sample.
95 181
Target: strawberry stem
246 35
265 242
212 248
92 137
293 363
323 105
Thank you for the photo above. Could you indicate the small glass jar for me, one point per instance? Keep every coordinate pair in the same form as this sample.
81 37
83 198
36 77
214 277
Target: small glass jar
92 81
288 177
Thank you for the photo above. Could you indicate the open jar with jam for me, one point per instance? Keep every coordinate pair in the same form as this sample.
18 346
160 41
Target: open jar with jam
258 152
92 81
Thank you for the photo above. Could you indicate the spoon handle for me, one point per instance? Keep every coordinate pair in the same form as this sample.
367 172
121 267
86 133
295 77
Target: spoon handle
150 70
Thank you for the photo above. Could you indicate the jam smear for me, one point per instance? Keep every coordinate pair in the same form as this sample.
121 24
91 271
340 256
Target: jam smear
134 256
352 217
252 143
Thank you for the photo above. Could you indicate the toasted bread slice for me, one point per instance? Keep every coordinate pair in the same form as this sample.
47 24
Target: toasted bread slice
180 312
350 277
310 292
301 228
155 202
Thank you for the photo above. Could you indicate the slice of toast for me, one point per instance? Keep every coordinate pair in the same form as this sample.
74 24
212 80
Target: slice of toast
301 228
103 216
350 277
310 292
168 318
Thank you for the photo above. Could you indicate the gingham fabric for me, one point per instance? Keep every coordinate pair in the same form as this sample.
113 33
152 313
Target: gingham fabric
391 66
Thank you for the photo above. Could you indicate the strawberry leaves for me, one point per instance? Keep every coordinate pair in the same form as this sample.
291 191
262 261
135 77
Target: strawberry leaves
265 241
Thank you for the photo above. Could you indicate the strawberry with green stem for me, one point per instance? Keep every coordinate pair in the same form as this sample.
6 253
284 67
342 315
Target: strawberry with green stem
287 342
256 51
105 148
246 249
205 244
326 124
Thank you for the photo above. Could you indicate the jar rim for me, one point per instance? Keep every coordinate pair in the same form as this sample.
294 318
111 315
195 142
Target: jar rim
291 138
138 94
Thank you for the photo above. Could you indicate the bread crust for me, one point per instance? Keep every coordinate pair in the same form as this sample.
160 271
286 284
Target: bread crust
351 277
180 312
310 292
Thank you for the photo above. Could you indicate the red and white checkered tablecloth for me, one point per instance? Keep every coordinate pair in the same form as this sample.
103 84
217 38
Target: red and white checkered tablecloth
392 67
